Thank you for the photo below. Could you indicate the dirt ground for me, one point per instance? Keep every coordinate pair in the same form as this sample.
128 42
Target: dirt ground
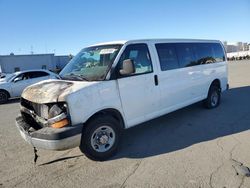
192 147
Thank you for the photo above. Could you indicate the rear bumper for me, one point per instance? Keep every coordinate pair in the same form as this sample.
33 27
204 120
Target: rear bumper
51 138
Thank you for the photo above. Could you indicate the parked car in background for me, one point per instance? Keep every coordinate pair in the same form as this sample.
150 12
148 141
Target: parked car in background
12 85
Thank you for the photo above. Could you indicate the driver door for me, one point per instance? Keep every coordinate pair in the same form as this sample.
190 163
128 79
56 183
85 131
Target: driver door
138 91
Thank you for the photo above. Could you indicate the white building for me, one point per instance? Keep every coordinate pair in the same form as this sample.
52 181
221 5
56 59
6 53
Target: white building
238 54
236 47
12 63
246 46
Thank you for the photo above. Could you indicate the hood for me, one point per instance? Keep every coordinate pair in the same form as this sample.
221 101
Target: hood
50 91
2 80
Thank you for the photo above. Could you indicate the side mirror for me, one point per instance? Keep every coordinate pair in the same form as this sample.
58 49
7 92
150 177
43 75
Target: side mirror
17 79
128 67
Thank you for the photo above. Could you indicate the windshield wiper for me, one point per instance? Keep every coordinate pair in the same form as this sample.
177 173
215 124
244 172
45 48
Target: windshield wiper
74 76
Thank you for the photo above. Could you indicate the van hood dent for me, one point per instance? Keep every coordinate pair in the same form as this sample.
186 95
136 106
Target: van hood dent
50 91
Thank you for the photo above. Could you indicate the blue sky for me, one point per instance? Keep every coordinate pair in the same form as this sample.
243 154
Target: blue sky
65 27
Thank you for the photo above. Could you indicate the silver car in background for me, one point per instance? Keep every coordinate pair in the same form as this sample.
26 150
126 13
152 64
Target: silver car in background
12 85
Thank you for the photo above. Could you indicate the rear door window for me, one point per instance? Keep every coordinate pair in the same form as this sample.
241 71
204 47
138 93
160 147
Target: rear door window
185 54
167 56
203 53
219 55
37 74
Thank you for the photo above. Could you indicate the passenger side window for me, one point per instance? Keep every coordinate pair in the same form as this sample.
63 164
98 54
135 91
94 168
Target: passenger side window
167 56
218 52
140 56
185 54
204 53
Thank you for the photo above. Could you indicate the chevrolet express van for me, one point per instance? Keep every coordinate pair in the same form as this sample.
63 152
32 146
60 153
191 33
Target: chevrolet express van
113 86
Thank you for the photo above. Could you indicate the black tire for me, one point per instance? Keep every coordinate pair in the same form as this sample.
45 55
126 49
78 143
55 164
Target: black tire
4 96
213 97
88 135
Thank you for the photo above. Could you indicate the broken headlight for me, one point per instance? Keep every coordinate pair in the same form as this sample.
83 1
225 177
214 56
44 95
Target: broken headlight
57 115
54 111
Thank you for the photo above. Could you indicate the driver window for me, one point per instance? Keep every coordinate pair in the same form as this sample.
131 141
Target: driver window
23 76
139 54
19 77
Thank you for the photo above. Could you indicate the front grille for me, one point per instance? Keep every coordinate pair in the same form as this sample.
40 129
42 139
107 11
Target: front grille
29 120
35 107
27 104
32 107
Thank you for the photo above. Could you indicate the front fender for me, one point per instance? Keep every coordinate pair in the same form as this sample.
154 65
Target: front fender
86 102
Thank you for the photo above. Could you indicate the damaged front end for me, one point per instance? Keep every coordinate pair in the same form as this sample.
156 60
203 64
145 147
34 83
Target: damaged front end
46 124
45 115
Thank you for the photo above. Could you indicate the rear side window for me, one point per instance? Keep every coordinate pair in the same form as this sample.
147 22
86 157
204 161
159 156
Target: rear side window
174 55
185 54
37 74
219 55
167 56
204 53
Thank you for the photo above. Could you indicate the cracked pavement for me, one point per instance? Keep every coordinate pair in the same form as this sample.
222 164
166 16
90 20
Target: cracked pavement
192 147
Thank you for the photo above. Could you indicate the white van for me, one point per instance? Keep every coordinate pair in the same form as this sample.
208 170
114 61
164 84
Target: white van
112 86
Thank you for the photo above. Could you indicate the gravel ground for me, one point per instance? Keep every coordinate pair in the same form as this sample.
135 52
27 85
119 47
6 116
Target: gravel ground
192 147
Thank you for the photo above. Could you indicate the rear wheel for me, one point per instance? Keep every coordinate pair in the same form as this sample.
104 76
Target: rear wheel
100 138
4 96
213 98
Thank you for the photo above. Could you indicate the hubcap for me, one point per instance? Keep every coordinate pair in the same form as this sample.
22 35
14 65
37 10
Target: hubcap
214 98
103 139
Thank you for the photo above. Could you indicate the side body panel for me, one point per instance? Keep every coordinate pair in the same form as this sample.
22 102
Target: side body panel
184 86
179 88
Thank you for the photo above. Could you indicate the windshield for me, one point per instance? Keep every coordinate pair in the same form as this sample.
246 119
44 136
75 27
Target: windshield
92 63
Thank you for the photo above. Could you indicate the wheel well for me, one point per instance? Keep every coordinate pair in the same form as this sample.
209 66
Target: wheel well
112 112
6 92
216 82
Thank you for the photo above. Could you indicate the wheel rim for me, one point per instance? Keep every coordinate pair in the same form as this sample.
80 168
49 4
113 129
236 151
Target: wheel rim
3 97
214 98
103 138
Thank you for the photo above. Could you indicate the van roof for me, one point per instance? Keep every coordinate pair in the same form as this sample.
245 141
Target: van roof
155 40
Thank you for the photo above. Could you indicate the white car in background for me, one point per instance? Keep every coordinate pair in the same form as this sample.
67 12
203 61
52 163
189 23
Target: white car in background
12 85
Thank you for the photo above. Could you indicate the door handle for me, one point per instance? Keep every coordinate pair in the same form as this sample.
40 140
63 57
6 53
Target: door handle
156 80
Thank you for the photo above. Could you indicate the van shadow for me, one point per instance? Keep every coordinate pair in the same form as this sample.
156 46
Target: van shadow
188 126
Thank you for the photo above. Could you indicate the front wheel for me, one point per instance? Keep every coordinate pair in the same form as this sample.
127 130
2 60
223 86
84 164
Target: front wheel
213 98
100 138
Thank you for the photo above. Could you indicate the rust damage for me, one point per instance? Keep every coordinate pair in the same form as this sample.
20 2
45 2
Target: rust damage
47 92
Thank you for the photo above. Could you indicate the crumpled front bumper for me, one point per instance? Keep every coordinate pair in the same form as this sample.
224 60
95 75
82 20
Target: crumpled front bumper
51 138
